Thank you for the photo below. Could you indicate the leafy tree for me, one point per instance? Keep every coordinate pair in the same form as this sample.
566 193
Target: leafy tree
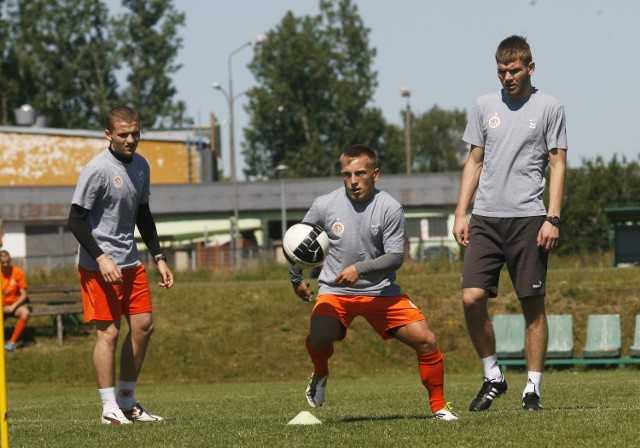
436 140
316 78
62 58
588 191
5 65
59 55
148 43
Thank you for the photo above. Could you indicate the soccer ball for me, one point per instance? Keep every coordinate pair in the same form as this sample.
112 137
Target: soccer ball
305 245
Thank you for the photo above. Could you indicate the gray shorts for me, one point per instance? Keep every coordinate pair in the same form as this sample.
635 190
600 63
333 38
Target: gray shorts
494 242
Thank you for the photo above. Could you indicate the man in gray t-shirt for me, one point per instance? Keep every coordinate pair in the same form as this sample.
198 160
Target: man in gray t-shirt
514 134
111 199
366 246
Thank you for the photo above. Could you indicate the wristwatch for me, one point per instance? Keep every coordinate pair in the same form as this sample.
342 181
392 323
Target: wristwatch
554 220
157 258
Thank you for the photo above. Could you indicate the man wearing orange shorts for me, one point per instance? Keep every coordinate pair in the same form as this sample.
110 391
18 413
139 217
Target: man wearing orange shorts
14 297
366 234
110 200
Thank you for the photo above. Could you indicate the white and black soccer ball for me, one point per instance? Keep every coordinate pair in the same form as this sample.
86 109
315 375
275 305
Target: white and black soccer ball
305 245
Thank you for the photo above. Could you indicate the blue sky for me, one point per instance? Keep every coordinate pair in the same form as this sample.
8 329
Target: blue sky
586 54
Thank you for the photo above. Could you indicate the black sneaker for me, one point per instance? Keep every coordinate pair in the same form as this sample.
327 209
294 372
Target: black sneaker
488 392
531 402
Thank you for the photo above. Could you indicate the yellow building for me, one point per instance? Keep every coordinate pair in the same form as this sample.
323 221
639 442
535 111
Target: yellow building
31 156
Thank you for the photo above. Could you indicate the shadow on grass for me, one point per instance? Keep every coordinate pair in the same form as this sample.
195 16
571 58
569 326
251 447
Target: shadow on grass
380 419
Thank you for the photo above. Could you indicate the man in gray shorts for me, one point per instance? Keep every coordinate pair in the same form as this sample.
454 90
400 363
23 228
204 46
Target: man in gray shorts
514 134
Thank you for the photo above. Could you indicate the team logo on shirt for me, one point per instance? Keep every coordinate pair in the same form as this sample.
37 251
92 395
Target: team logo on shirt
337 228
494 122
117 181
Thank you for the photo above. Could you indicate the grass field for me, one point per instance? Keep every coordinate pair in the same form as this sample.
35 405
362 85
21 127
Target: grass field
227 365
594 408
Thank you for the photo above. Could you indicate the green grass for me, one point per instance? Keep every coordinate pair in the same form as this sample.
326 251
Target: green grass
594 408
215 326
227 364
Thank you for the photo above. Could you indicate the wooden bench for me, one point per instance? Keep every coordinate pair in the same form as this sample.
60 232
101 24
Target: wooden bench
55 300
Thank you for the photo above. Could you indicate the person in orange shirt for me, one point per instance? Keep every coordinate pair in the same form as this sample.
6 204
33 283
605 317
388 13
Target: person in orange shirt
14 297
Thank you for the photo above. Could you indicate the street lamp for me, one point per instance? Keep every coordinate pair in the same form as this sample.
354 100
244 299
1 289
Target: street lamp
228 95
282 171
406 93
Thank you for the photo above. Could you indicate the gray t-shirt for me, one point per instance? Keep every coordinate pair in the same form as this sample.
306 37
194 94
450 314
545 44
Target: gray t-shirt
112 191
357 232
517 137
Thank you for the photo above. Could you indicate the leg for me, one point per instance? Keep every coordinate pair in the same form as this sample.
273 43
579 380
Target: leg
474 302
418 336
135 345
536 338
323 332
22 313
132 356
105 351
479 326
537 333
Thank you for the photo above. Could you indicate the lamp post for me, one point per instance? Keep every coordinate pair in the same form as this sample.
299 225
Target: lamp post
282 171
228 95
406 93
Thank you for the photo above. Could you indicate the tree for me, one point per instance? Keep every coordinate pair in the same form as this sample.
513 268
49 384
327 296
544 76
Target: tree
62 57
588 191
315 79
58 55
148 44
436 138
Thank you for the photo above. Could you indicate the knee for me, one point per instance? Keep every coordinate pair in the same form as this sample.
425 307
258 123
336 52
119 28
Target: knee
473 299
109 336
24 312
428 344
320 340
146 330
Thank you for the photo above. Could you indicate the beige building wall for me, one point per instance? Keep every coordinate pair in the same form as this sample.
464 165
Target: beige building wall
39 159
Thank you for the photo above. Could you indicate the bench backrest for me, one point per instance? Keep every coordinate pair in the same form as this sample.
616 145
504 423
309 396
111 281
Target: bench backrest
509 330
603 336
560 343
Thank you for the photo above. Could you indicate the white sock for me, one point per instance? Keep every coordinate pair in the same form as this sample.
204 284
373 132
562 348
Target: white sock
108 397
126 394
492 368
534 381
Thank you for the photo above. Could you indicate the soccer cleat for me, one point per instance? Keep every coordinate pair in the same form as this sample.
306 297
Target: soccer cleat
139 414
115 417
446 413
531 402
10 346
315 390
489 391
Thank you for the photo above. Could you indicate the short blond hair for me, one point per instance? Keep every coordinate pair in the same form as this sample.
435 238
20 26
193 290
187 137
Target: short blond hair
514 48
121 114
355 151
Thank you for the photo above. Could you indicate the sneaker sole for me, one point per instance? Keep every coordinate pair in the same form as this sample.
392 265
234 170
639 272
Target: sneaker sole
113 421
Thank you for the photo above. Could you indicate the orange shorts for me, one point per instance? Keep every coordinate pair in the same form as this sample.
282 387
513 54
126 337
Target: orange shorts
103 301
382 313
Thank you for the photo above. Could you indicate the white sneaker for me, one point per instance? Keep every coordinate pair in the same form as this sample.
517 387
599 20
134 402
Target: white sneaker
315 390
445 414
139 414
115 417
